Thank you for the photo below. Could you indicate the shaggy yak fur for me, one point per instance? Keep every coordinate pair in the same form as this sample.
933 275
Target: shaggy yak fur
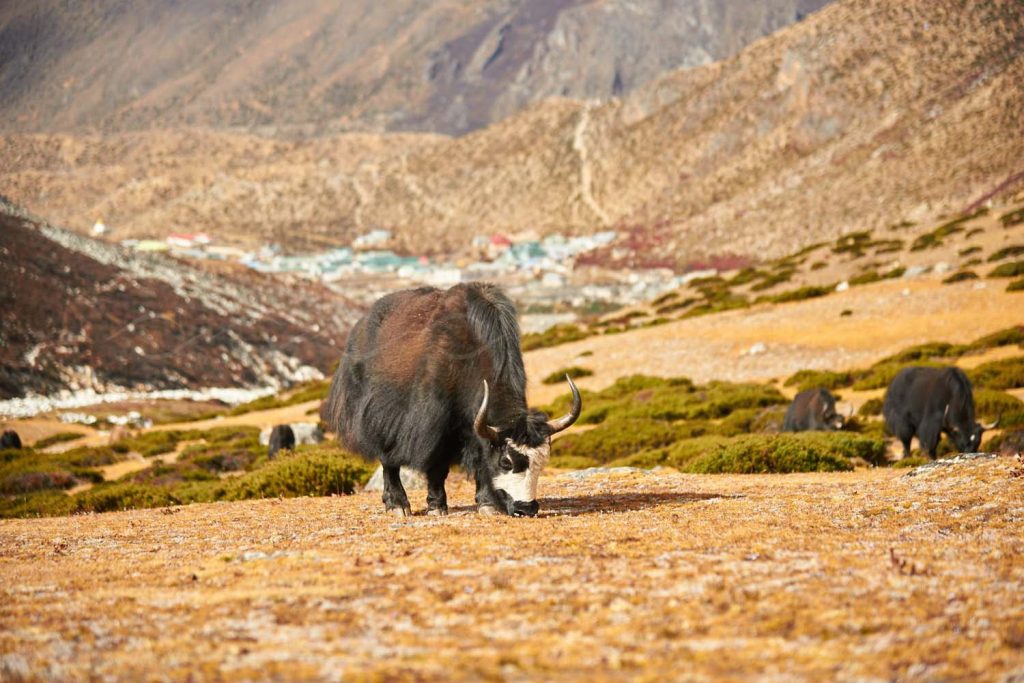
812 410
281 437
925 402
431 378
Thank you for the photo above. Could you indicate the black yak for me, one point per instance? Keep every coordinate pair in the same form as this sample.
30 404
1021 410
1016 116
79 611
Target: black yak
10 439
432 378
925 402
812 410
281 437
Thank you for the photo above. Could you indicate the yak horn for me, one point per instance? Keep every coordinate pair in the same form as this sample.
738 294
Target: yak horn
566 420
851 412
994 424
480 423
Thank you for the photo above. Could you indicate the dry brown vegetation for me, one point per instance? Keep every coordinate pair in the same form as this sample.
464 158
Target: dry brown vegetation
864 575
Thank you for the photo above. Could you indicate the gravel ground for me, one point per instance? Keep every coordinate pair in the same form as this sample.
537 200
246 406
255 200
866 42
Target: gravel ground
871 575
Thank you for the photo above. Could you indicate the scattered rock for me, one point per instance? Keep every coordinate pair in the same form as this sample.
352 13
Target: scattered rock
305 433
947 462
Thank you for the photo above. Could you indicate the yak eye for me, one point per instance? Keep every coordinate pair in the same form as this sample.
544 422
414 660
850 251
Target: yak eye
505 463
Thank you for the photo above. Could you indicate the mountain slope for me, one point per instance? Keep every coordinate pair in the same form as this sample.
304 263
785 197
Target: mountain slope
77 314
435 65
861 116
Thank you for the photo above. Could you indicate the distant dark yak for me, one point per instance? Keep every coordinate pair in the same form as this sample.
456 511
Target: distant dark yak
925 402
432 378
281 437
812 410
10 439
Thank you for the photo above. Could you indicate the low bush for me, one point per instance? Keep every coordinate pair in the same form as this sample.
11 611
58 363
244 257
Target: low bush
618 437
1005 337
553 336
808 292
122 495
46 503
1006 252
879 375
1011 269
960 276
871 407
310 391
54 439
755 453
1007 373
1012 218
1016 286
574 371
967 251
322 470
989 404
809 379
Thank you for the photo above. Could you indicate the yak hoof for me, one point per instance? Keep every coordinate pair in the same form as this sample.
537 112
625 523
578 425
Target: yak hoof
488 510
438 512
400 512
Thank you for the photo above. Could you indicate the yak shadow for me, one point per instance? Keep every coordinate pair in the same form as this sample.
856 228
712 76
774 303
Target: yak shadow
576 506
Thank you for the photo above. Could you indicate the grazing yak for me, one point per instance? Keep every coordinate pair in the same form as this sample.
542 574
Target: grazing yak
10 439
431 378
281 437
812 410
925 402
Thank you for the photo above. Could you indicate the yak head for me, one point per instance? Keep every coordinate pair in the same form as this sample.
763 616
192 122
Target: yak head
516 454
966 435
832 418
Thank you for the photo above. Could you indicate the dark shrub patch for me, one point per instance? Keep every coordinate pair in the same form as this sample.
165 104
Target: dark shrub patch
960 277
1007 252
1012 218
1006 337
809 379
47 503
999 374
1016 286
559 334
871 407
809 292
970 250
770 280
61 437
574 371
618 437
1012 269
113 496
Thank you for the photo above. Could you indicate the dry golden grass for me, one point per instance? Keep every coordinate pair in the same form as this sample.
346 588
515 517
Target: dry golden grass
632 576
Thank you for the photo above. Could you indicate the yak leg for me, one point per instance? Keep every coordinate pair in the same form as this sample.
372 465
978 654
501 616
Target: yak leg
395 500
928 434
486 503
437 499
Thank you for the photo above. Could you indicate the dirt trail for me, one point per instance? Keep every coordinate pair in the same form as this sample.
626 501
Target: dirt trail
863 575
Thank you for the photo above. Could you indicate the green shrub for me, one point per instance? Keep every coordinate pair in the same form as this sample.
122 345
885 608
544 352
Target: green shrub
553 336
1012 218
1007 373
769 280
53 439
310 391
114 496
1006 337
808 292
1006 252
960 276
879 375
871 407
618 437
913 461
1011 269
323 470
1016 286
755 453
926 351
47 503
809 379
148 444
989 404
574 371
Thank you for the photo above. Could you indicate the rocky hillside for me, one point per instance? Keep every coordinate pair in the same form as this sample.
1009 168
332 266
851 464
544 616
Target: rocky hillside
863 115
77 314
312 65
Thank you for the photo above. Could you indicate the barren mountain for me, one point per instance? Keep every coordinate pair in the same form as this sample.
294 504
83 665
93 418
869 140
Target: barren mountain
77 314
435 65
863 115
